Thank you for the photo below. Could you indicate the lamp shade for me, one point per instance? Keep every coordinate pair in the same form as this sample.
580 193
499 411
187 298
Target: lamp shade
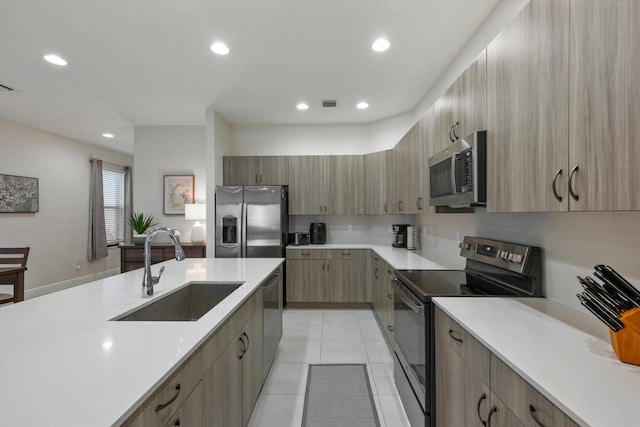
195 211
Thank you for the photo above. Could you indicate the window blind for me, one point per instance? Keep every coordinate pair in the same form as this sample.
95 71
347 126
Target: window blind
113 192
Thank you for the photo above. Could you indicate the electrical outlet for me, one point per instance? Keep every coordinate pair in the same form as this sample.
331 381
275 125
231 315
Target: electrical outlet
349 227
458 236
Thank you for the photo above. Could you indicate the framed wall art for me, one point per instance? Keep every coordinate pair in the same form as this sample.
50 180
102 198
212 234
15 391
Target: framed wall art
178 190
18 194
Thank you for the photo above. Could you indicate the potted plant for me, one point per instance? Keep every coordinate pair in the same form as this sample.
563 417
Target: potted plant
140 223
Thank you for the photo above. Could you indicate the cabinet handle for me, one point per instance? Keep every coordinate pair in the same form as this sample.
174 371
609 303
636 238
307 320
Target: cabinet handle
574 195
305 253
390 328
553 185
322 267
492 411
390 296
345 253
483 396
244 334
454 337
400 206
375 274
454 131
386 206
532 411
257 179
161 406
450 137
177 423
243 348
418 203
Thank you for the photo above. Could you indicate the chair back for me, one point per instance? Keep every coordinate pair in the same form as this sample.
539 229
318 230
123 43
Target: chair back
13 257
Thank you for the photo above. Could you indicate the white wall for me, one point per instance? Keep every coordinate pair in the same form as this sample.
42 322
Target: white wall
167 150
58 233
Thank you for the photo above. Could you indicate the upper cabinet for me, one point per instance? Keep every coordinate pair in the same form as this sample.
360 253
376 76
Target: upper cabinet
377 182
527 117
461 110
256 170
326 185
604 105
408 165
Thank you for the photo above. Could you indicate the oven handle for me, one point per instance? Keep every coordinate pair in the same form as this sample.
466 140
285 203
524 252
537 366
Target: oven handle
400 287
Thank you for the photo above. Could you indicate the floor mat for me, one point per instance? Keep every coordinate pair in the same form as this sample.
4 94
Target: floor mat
339 396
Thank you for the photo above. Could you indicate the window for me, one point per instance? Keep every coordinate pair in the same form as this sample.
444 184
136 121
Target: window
113 192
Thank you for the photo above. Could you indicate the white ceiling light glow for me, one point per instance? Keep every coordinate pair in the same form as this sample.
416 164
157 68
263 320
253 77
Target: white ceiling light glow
107 135
362 105
220 48
380 45
302 106
55 59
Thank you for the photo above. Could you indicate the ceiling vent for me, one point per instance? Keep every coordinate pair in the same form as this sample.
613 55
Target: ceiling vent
329 103
4 88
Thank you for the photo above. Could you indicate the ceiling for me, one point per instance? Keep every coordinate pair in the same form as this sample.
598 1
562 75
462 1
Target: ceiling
148 62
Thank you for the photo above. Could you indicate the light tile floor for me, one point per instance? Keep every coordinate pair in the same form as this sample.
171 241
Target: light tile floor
326 336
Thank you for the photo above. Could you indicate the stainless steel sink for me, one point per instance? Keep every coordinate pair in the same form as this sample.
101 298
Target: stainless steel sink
188 303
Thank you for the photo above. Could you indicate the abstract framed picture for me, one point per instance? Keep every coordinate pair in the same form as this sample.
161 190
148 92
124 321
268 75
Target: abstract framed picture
18 194
178 190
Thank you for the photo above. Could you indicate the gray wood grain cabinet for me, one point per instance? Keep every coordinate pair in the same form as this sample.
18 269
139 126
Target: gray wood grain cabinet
604 106
326 276
255 170
219 384
378 177
382 294
527 116
474 387
408 164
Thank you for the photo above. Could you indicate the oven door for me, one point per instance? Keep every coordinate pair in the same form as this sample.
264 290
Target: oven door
411 317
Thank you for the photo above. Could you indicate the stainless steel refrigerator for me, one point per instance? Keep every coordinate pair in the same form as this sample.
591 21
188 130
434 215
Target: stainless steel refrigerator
251 221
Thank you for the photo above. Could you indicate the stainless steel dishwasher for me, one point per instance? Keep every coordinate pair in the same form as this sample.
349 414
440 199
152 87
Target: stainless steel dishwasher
271 320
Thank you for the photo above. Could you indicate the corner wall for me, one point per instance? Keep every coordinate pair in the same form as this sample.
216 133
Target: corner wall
58 233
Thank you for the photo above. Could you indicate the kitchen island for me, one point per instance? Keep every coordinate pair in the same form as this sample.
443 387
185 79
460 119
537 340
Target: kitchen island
63 361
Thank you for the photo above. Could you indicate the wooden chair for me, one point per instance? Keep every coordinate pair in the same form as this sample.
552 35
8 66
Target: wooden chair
13 264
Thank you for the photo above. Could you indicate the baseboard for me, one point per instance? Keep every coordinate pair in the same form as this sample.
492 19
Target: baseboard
66 284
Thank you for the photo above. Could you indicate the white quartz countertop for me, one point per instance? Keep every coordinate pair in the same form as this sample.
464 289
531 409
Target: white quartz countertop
64 363
398 258
563 353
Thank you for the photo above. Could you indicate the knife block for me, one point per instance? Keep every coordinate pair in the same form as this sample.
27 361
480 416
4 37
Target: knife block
626 342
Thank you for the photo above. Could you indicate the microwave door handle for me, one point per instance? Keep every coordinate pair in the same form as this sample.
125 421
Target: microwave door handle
454 187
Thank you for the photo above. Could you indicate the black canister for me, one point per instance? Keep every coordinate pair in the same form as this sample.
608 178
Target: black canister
318 232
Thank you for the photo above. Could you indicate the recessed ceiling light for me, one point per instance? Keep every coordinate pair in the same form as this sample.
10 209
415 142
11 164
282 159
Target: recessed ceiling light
362 105
220 48
55 59
302 106
380 45
107 135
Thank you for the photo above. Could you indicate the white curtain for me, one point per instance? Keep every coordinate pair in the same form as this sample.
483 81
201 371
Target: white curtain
128 233
97 247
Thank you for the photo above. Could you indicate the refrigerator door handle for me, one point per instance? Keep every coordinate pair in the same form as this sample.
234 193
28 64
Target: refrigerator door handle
243 237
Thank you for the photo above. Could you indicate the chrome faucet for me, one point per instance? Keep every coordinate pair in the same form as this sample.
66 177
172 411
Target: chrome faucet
149 280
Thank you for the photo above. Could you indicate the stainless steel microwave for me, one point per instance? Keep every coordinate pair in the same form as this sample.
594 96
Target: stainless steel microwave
458 175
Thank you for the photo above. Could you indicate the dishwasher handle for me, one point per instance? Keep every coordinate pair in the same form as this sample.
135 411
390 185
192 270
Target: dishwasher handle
271 281
401 291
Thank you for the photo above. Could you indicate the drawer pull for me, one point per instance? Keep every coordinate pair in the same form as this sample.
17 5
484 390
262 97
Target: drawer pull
390 328
305 253
376 274
161 406
177 423
492 411
453 337
345 253
483 396
532 411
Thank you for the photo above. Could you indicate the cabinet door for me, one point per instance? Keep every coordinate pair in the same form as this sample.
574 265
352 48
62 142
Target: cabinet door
240 170
307 185
527 110
444 116
190 412
604 108
377 182
387 297
305 281
346 281
346 185
470 102
428 148
252 363
375 277
402 175
222 389
274 170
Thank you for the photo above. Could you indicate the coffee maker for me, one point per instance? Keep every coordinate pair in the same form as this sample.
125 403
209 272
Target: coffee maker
399 235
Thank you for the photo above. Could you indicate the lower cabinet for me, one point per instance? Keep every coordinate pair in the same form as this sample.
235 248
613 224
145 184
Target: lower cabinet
326 276
382 294
474 387
219 384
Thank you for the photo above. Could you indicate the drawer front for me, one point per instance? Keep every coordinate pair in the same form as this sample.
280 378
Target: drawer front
526 403
347 253
306 254
469 348
193 251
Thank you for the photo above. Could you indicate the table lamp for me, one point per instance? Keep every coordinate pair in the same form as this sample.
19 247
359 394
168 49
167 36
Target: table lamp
196 212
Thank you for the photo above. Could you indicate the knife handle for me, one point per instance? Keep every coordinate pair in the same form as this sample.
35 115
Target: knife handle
614 324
